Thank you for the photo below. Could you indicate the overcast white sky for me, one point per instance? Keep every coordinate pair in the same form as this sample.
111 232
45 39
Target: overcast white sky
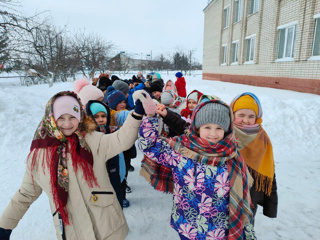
136 27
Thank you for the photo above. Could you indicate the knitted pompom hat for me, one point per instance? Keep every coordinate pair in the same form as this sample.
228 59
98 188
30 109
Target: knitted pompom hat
213 113
121 86
86 91
114 97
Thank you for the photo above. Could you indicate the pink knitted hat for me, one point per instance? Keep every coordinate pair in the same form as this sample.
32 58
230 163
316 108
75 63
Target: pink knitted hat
66 104
86 91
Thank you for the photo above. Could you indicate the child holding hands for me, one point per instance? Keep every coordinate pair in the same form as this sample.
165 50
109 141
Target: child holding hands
116 167
67 161
211 197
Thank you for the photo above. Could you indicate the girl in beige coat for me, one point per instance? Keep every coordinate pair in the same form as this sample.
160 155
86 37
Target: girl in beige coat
67 162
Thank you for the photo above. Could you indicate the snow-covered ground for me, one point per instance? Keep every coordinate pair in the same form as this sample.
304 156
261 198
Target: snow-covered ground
290 119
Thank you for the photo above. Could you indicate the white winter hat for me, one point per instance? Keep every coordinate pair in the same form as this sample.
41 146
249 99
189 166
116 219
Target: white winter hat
86 91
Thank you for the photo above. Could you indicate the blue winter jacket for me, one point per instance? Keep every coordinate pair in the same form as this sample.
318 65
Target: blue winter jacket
131 91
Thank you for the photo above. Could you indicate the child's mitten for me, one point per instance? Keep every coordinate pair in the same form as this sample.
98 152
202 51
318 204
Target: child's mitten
148 105
139 107
5 233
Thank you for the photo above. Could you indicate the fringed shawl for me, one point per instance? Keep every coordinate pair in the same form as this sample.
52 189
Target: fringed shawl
256 149
56 146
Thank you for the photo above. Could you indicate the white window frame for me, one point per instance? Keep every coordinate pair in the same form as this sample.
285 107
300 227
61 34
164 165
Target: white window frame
255 6
237 12
252 38
287 27
226 17
317 24
233 56
224 58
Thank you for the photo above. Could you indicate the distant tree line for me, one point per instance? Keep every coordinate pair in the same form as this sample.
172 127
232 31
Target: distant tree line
177 60
35 43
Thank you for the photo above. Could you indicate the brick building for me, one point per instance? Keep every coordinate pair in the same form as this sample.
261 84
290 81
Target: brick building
270 43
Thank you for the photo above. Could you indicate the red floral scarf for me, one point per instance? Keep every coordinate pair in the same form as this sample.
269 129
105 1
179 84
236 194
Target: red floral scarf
186 112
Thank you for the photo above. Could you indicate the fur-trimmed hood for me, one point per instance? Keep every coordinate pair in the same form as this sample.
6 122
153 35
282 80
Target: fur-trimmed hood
88 125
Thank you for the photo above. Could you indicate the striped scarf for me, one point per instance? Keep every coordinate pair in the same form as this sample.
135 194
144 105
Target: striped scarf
224 151
159 176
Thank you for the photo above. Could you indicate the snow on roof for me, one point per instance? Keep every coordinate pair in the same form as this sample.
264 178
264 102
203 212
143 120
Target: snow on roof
32 70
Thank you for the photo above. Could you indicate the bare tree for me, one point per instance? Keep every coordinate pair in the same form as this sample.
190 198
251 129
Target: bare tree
35 43
91 51
4 53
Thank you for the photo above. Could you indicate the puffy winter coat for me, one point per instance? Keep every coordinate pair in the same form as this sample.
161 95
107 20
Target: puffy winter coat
181 87
201 192
94 213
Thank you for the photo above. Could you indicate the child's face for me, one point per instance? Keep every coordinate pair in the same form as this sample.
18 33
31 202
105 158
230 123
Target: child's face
211 132
245 117
155 78
156 95
192 104
67 124
168 87
100 118
121 106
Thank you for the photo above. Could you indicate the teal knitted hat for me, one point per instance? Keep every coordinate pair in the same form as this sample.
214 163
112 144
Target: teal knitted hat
97 107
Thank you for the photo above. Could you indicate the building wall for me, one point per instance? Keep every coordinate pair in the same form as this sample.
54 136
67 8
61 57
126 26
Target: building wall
293 75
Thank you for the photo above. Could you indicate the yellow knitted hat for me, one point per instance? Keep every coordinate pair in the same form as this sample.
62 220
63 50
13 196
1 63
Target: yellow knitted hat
246 102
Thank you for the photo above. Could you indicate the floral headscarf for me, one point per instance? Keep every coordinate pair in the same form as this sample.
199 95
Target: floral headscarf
49 137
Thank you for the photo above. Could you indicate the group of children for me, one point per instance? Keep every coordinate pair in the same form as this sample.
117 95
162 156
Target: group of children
216 159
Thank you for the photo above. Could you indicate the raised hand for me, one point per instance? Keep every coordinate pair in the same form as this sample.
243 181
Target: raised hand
148 104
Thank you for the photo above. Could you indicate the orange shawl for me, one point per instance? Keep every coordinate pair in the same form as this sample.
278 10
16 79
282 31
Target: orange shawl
256 149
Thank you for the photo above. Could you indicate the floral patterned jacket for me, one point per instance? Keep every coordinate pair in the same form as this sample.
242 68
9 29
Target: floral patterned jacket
201 192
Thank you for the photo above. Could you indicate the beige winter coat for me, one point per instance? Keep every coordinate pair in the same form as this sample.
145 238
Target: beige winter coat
100 219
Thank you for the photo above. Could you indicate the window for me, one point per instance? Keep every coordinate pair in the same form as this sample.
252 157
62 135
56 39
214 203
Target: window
235 50
316 40
226 17
286 41
224 54
250 42
253 6
237 10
